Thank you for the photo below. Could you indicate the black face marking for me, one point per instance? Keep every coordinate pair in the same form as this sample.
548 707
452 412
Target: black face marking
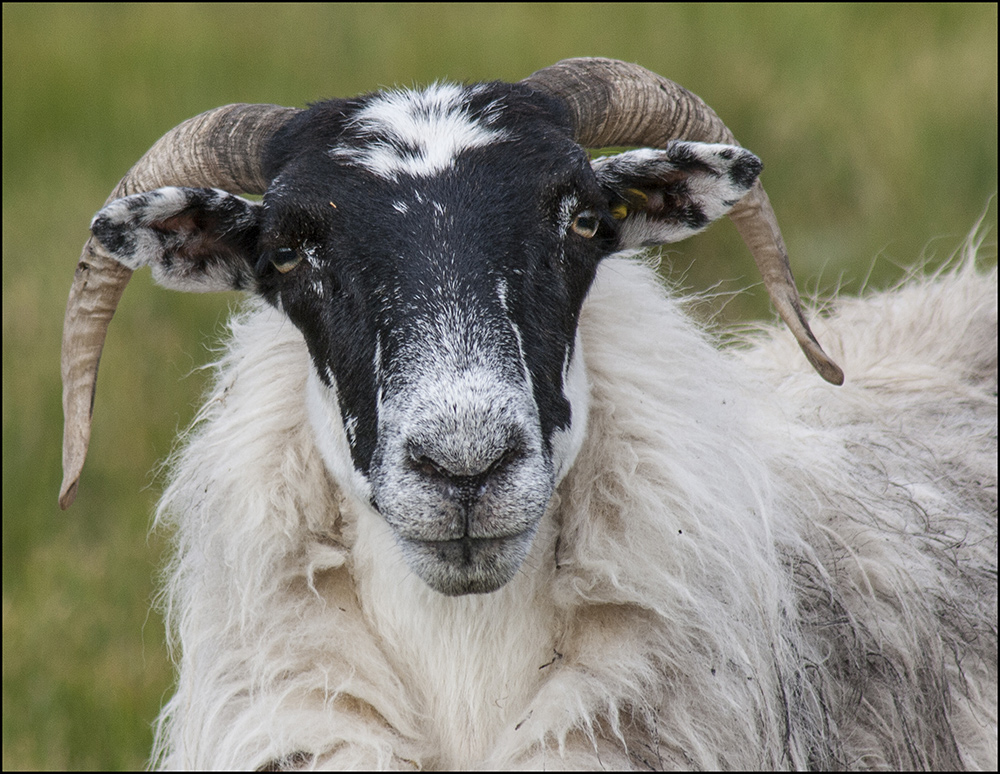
465 229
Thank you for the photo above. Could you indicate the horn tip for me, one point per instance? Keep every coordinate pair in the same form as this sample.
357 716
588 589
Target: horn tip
833 374
67 494
824 366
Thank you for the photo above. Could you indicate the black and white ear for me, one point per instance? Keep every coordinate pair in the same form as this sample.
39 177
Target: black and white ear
195 239
661 196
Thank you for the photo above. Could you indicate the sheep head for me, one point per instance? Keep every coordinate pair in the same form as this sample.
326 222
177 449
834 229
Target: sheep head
434 248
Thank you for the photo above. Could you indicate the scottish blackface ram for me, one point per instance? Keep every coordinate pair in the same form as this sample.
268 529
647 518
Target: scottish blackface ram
472 490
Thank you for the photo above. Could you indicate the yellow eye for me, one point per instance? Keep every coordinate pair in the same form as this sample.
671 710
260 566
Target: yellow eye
585 223
286 258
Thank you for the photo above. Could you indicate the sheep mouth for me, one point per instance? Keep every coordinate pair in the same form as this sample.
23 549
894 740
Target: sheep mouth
467 565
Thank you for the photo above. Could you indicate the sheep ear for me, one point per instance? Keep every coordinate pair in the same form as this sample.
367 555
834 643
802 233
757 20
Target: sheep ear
661 196
195 239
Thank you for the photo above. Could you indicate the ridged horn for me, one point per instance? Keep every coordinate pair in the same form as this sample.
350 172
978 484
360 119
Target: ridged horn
617 103
221 148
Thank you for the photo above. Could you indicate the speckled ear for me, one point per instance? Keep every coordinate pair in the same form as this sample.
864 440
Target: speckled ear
662 196
194 239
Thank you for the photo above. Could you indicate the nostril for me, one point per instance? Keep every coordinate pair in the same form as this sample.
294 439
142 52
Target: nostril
505 460
425 466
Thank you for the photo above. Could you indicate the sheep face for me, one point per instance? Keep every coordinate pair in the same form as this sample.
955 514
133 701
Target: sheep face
435 248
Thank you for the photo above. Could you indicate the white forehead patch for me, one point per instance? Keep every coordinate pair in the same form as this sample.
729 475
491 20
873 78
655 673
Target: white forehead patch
418 133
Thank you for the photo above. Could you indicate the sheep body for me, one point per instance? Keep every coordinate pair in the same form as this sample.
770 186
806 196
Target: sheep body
745 568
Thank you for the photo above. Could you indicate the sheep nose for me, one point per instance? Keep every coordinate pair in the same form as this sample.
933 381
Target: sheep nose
464 468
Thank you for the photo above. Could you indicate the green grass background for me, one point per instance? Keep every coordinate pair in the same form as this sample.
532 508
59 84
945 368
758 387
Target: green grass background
877 125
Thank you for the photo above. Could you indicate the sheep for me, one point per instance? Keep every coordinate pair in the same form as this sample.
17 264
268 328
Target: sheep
494 500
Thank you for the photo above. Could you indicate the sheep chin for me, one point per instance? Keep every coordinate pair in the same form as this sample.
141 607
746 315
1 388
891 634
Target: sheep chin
467 565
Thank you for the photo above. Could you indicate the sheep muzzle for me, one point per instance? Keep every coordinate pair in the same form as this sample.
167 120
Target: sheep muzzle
463 478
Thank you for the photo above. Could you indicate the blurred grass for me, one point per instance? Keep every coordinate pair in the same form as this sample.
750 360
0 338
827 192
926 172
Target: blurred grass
877 124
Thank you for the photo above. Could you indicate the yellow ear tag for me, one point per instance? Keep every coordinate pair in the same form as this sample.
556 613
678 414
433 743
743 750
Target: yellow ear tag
637 200
634 200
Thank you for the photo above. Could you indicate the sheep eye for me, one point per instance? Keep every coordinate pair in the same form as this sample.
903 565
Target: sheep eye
585 223
286 258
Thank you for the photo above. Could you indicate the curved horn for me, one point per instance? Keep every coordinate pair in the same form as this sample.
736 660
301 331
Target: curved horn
222 148
617 103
